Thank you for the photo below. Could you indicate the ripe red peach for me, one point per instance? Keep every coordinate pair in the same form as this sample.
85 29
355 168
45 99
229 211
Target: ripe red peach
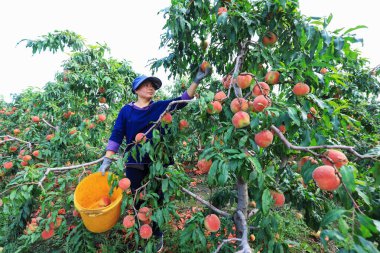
264 138
301 89
239 104
241 119
214 107
326 178
212 223
264 88
219 96
278 197
260 103
244 81
339 159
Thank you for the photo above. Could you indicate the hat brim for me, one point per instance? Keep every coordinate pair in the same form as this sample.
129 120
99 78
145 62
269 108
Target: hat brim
156 82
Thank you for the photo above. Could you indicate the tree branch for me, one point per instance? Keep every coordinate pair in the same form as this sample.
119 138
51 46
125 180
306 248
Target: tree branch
226 241
48 170
16 139
216 210
15 186
50 125
310 148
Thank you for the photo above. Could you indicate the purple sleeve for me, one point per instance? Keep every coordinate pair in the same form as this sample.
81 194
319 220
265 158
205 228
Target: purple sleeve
185 96
113 146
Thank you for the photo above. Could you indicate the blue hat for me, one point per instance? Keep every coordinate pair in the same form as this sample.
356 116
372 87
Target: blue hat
140 79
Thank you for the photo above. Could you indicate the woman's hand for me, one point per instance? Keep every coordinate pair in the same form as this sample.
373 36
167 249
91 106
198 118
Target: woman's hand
105 165
200 74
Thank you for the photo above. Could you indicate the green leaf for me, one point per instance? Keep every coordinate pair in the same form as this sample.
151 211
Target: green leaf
266 201
368 245
364 196
306 138
354 28
367 223
348 177
338 43
292 112
332 216
307 171
326 38
376 173
165 184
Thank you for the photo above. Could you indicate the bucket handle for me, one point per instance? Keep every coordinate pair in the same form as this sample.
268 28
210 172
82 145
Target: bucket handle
93 213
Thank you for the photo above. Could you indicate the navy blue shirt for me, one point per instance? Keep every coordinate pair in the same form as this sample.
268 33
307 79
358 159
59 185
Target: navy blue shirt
133 120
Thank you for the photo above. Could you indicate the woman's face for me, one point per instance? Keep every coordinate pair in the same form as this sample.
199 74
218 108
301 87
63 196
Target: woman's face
146 90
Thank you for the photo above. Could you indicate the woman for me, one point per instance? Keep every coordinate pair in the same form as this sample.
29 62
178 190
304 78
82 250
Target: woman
138 117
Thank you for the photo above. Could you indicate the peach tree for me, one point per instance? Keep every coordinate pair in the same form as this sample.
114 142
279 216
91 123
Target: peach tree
293 119
48 138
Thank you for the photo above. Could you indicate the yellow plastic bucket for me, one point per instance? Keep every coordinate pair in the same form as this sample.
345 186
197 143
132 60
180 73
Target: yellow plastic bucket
89 191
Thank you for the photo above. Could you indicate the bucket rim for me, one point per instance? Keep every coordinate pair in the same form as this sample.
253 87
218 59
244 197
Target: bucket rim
105 209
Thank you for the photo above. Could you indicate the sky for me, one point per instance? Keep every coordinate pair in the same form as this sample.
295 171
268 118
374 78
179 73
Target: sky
131 29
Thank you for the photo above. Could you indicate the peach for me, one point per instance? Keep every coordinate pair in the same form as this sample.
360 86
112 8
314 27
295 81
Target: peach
221 10
326 178
278 197
8 165
49 137
339 159
144 213
104 201
282 128
301 89
145 231
312 113
260 103
129 221
36 153
124 183
26 158
204 166
269 39
220 96
239 104
183 124
244 81
214 107
46 234
35 119
241 119
264 138
323 71
140 138
272 77
205 65
303 160
76 213
16 131
167 118
12 148
212 223
265 89
101 117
